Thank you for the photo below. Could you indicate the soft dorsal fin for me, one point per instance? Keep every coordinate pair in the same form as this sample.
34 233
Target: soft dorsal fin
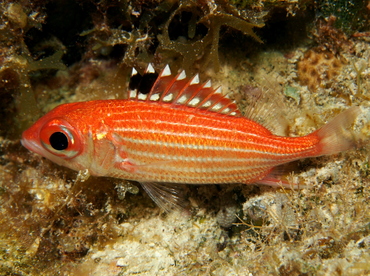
266 106
179 90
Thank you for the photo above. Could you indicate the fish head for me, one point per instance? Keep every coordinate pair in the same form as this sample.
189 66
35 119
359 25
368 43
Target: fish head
59 136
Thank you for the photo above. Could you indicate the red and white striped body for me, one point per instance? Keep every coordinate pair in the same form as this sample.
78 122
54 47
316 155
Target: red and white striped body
159 143
180 132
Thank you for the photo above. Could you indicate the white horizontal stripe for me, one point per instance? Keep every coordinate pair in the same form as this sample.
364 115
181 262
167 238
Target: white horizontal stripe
197 129
201 178
199 169
205 148
202 159
187 124
197 135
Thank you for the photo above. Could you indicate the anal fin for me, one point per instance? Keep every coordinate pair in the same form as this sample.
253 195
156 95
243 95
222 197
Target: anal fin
275 178
278 183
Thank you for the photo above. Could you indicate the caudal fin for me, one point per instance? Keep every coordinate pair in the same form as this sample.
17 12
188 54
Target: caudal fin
336 136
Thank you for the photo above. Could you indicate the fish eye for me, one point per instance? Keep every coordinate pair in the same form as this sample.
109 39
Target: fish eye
58 141
60 138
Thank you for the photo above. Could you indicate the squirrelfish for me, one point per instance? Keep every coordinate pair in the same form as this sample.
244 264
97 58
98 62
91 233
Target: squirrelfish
181 131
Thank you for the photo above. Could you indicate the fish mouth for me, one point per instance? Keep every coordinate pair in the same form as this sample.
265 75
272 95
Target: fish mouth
31 144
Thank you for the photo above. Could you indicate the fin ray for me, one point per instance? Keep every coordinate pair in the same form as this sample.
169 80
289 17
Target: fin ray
335 136
166 196
265 107
181 91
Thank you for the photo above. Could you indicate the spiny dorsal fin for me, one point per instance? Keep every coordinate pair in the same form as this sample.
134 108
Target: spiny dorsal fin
179 90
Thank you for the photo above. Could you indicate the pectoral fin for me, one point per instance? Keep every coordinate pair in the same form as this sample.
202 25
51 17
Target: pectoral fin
165 195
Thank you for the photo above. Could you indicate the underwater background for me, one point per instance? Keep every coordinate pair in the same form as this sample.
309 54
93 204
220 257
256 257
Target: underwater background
312 59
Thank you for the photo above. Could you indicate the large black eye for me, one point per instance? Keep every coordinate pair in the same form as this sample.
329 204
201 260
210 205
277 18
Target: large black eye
58 141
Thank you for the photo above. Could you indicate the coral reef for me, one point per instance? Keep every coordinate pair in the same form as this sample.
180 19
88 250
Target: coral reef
330 38
316 67
311 65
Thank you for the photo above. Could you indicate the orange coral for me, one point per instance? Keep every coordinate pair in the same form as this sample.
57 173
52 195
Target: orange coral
316 67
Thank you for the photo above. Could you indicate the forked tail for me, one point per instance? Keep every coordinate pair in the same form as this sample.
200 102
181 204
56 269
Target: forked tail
336 136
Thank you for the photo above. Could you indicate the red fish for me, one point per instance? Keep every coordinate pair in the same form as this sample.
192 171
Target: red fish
182 132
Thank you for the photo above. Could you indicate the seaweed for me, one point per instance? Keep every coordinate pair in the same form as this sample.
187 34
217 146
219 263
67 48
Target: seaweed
17 64
205 48
22 66
350 16
156 33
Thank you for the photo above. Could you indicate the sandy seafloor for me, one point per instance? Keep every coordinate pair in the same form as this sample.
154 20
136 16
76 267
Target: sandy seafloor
51 225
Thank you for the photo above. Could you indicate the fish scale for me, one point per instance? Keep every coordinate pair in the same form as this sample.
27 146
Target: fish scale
180 135
182 132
